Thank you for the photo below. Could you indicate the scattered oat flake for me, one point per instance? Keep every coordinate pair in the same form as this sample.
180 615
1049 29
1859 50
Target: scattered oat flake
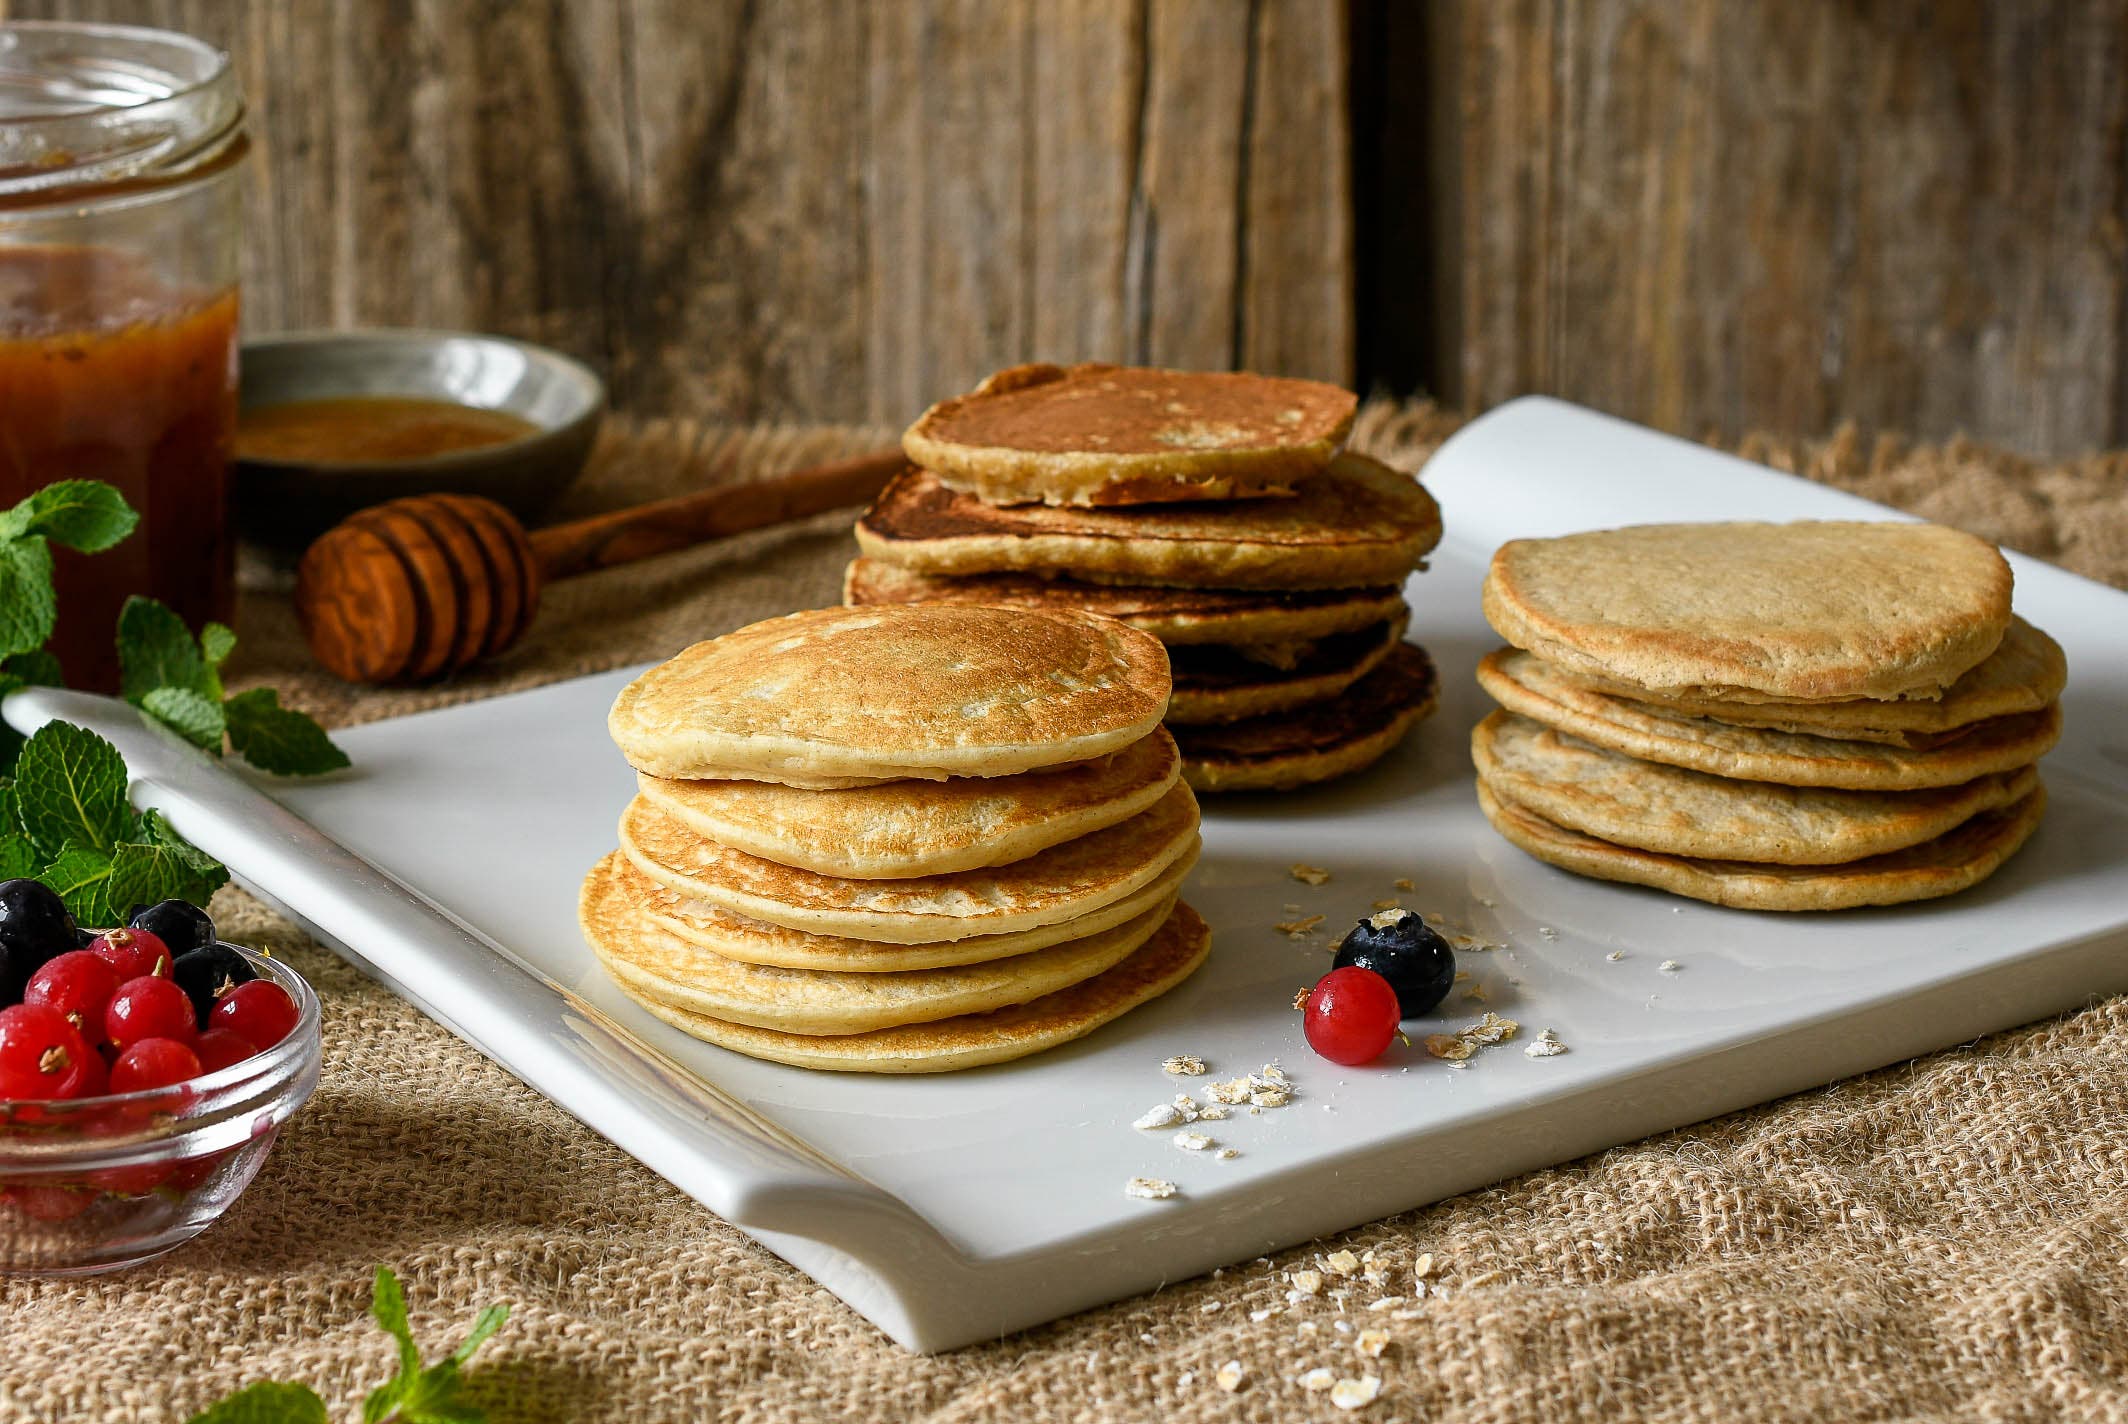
1233 1092
1211 1305
1270 1098
1158 1116
1385 905
1452 1047
1475 993
1272 1072
1545 1045
1371 1343
1355 1393
1229 1376
1669 966
1217 1112
1149 1189
1492 1029
1344 1263
1227 1154
1191 1141
1309 874
1299 927
1615 955
1547 931
1423 1266
1402 882
1387 1302
1317 1380
1184 1065
1260 1316
1307 1282
1300 998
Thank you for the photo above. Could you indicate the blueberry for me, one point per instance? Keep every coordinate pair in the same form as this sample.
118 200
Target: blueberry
34 927
1397 945
182 926
207 974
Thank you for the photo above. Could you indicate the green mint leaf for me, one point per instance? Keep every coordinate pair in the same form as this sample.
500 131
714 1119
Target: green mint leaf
156 649
279 740
387 1302
81 876
148 873
70 785
88 515
197 719
35 669
267 1402
484 1325
27 605
18 856
205 874
217 641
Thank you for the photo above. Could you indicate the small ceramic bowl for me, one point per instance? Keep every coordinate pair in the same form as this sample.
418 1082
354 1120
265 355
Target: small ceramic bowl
287 503
97 1184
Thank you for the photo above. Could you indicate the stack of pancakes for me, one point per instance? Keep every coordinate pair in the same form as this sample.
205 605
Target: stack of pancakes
1767 716
1217 512
900 840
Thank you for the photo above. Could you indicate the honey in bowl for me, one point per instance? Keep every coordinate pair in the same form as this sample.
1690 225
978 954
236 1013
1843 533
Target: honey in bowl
371 429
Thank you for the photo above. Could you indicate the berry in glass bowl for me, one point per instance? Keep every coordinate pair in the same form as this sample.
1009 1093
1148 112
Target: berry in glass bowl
106 1165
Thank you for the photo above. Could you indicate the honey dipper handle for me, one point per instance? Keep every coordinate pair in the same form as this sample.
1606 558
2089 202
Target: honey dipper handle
625 535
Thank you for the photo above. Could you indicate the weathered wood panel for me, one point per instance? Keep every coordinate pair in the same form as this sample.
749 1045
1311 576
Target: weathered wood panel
817 209
1717 216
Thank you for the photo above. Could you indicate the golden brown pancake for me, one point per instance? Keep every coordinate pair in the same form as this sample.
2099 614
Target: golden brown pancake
1176 616
1358 523
1313 744
1216 684
1097 434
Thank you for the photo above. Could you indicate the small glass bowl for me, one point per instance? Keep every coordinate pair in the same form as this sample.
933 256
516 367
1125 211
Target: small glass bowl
98 1184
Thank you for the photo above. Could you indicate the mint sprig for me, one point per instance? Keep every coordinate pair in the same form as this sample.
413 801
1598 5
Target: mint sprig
417 1394
177 680
65 820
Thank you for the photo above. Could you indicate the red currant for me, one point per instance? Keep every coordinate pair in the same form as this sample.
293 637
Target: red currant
53 1203
259 1012
43 1057
149 1007
221 1048
133 953
79 984
154 1063
1351 1016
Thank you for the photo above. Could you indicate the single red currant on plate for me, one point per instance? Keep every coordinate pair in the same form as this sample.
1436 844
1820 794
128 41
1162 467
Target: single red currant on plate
258 1011
1350 1016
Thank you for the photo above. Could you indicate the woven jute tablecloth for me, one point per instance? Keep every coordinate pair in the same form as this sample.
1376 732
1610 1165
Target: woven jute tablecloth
1944 1239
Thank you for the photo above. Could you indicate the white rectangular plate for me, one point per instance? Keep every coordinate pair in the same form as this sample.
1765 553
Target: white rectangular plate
953 1208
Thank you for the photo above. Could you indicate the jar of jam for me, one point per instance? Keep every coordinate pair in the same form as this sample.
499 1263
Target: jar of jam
120 151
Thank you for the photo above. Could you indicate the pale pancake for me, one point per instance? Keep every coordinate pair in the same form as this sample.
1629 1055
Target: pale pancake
1358 523
1944 866
646 960
1654 807
2025 672
1793 611
1162 962
1060 883
1176 616
925 691
1331 739
1099 434
1226 685
757 942
1526 685
909 828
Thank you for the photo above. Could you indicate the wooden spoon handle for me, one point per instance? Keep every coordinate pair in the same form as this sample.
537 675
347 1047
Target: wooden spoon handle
626 535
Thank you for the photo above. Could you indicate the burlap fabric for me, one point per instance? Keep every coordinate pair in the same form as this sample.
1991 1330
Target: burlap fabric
1946 1239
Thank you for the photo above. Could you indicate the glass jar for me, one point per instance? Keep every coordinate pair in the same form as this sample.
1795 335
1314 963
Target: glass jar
120 152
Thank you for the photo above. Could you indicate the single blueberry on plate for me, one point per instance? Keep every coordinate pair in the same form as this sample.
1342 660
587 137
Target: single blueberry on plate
1399 946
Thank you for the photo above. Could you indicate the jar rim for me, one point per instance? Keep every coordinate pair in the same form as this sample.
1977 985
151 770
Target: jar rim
85 106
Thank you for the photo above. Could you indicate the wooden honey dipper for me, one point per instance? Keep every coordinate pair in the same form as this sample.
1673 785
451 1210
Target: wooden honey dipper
422 586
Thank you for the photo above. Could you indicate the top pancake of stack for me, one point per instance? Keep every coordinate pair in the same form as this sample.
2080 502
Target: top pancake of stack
1097 434
841 697
1757 613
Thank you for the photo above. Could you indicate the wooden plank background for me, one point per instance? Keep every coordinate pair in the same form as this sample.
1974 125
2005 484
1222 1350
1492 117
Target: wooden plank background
809 209
1711 215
